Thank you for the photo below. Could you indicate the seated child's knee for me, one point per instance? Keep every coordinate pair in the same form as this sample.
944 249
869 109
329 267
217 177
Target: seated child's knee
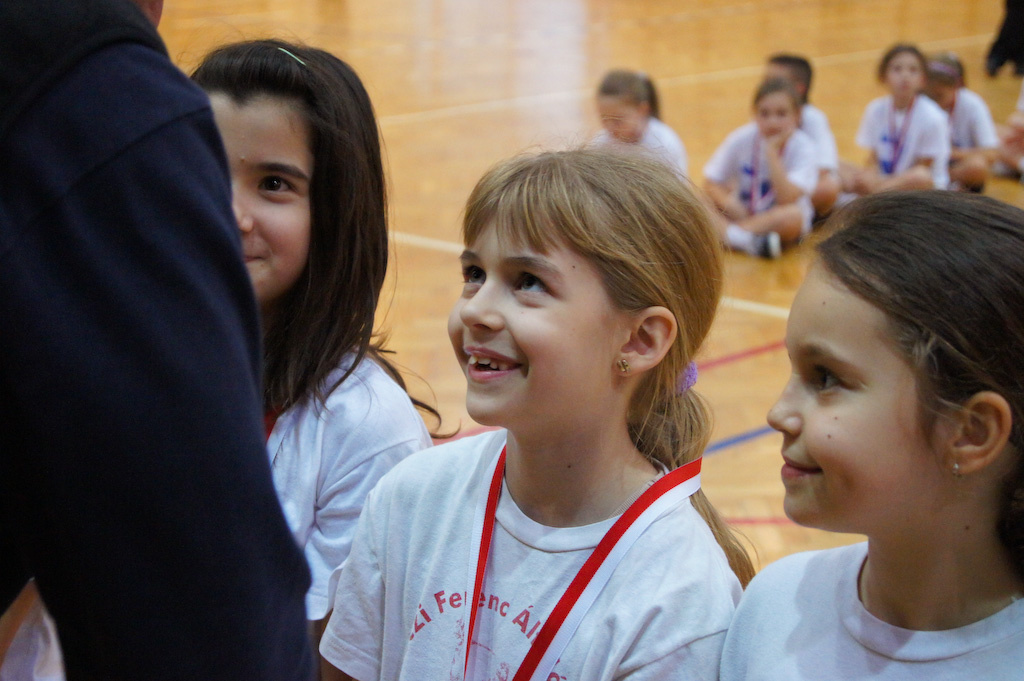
825 194
921 178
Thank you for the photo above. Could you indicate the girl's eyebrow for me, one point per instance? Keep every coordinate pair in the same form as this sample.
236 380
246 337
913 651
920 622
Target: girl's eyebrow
284 169
815 352
533 263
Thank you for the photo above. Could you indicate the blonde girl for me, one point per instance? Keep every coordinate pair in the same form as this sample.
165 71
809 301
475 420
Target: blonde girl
591 279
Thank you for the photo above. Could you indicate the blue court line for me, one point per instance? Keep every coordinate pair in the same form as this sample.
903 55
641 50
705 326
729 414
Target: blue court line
737 439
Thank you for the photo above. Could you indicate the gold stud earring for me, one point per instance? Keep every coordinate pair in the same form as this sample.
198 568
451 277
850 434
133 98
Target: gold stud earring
624 366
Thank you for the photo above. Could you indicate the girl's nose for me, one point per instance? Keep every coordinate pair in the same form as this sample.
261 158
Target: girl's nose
243 217
783 416
482 310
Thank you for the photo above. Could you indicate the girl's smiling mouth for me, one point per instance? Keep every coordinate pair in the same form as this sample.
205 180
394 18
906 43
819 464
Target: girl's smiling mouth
488 364
792 470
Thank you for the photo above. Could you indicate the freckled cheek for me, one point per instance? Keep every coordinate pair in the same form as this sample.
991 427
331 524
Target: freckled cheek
825 437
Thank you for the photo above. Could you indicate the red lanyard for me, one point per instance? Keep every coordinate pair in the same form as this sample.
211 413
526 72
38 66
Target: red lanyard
897 141
645 509
269 419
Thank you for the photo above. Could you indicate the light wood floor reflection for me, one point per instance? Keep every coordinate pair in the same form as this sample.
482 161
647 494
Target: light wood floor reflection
460 84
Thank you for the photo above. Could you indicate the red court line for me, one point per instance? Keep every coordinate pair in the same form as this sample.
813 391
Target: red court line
742 354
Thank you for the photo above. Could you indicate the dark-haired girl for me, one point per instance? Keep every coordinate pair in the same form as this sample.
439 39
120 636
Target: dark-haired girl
903 420
309 195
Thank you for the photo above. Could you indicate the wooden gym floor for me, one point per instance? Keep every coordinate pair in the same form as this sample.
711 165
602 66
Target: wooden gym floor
461 84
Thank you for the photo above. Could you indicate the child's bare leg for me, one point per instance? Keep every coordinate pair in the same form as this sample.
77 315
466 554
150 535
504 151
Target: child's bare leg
971 171
848 174
916 177
786 221
825 193
1012 158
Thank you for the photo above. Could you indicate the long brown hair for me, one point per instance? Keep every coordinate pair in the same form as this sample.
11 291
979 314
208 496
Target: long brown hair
330 310
653 243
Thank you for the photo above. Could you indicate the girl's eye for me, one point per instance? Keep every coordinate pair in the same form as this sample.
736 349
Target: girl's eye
528 282
824 378
471 274
273 184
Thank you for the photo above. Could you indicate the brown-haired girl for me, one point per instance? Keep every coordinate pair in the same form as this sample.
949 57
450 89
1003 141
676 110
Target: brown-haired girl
972 132
627 103
761 177
903 420
591 280
905 133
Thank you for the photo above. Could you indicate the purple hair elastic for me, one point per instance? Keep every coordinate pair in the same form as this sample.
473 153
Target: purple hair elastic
687 378
943 67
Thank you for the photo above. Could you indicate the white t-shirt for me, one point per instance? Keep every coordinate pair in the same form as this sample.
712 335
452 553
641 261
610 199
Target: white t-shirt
35 652
740 161
970 123
401 611
326 459
801 618
814 122
659 139
926 135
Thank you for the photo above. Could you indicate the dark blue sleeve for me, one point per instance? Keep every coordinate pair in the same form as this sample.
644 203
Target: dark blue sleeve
134 480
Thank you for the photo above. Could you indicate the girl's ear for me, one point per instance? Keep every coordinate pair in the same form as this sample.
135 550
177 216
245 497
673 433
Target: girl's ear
652 334
981 430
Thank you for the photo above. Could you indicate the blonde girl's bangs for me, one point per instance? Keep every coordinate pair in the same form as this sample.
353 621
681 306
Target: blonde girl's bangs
537 201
